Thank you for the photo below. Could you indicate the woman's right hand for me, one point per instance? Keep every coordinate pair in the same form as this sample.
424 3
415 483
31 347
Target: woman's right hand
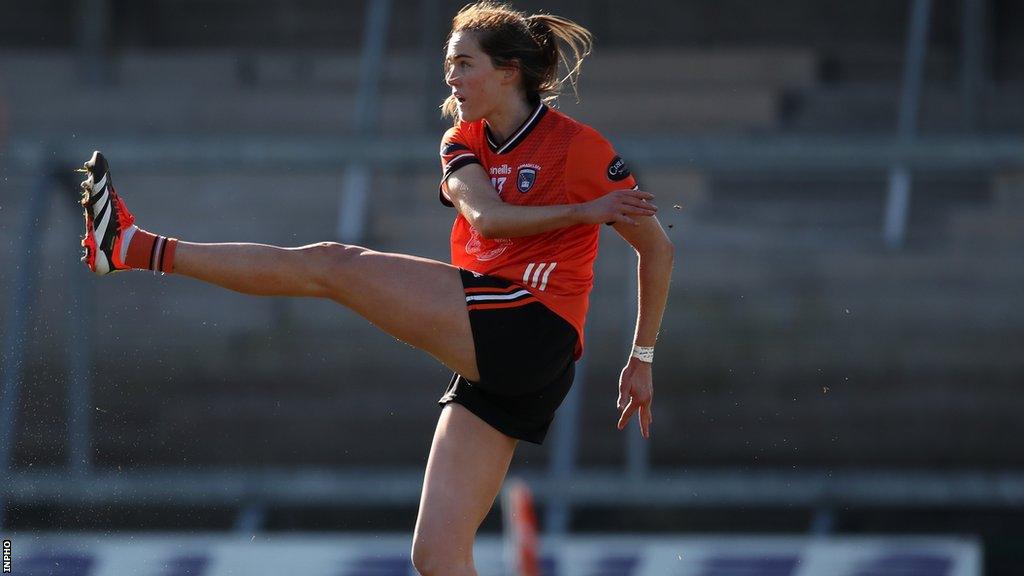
618 206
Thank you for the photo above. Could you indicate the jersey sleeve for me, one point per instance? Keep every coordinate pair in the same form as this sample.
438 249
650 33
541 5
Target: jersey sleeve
593 168
455 153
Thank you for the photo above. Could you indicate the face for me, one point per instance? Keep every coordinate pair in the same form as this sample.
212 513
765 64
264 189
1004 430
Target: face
478 87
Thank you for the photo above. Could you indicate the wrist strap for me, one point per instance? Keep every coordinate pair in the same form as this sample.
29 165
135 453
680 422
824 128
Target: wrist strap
644 353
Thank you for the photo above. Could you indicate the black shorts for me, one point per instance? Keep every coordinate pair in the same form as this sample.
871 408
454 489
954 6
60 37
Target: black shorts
525 354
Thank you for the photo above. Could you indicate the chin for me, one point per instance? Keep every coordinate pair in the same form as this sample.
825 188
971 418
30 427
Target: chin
467 116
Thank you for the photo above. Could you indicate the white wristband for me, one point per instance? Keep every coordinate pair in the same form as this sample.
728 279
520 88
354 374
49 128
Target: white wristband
644 353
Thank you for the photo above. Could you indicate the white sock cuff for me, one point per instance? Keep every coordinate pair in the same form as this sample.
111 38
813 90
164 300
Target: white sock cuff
126 240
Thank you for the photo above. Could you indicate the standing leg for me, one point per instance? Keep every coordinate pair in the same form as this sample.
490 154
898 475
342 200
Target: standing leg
467 465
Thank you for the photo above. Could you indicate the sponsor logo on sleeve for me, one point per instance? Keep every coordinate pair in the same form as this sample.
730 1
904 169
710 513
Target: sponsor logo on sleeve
617 169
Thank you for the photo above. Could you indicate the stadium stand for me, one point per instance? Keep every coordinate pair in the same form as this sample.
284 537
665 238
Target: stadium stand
798 339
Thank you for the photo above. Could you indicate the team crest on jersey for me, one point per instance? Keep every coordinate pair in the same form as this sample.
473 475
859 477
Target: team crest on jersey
527 177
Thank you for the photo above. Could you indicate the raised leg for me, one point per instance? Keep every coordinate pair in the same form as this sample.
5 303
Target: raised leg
417 300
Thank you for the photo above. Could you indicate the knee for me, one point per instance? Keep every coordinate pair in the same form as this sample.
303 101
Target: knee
329 262
440 558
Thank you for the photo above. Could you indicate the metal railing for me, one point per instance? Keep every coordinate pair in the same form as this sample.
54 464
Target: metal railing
562 486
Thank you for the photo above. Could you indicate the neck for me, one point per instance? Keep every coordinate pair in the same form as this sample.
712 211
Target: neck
504 122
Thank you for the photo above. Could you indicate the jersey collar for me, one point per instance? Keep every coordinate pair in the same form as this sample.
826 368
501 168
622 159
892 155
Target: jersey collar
519 134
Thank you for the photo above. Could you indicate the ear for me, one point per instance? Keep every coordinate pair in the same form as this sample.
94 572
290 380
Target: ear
510 73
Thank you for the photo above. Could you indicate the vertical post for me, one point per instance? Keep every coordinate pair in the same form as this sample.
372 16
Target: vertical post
16 327
93 33
80 373
824 521
900 181
430 52
251 519
558 512
897 205
972 62
353 206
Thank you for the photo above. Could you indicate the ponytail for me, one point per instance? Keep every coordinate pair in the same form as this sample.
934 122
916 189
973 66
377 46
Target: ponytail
548 31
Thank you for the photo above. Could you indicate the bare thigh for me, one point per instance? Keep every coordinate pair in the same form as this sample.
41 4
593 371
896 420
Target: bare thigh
467 465
417 300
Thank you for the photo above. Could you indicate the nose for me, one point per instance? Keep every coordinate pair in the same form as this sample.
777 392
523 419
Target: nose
450 78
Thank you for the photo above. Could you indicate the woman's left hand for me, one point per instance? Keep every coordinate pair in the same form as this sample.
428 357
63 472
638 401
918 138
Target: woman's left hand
636 391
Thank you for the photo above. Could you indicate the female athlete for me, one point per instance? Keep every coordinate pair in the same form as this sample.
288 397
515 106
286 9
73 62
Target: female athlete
531 188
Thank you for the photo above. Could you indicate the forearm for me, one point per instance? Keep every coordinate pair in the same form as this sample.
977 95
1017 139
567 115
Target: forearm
501 220
654 275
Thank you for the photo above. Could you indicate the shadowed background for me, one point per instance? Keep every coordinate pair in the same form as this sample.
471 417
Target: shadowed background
842 350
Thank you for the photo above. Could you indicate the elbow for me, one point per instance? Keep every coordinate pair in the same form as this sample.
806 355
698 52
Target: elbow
489 226
479 222
663 250
484 226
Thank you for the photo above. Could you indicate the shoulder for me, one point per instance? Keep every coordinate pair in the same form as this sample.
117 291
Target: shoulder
558 121
462 131
586 141
588 137
562 121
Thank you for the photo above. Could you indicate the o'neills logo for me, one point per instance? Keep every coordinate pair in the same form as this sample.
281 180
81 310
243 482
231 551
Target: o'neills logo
503 170
526 177
617 170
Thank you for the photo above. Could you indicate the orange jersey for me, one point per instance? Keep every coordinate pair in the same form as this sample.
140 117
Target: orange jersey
551 159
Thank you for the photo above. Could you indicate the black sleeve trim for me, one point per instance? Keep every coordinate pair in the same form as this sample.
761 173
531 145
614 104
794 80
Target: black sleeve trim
452 147
448 171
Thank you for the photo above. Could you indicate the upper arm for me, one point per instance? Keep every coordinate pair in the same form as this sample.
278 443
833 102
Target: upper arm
469 190
456 153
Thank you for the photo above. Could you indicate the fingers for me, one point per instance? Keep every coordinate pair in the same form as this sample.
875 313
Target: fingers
639 210
639 194
631 409
634 406
635 198
645 418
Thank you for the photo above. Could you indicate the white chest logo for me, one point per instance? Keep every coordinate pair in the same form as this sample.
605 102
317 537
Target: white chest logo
483 249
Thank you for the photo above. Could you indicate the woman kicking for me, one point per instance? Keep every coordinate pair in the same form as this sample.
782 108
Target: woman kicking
531 188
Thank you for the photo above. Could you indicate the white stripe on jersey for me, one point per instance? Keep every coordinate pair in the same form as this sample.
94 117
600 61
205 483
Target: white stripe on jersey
544 282
526 275
536 274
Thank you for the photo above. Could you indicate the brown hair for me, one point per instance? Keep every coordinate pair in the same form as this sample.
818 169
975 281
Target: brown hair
529 43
